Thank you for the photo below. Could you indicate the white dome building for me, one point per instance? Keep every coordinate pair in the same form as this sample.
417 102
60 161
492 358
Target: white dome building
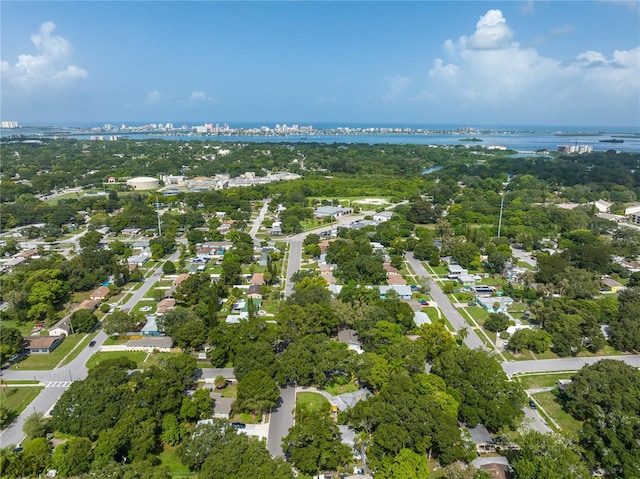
144 183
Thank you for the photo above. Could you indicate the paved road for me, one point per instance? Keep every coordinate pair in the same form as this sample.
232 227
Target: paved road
138 294
281 421
212 373
293 264
295 248
74 371
255 227
533 419
472 340
55 382
564 364
523 256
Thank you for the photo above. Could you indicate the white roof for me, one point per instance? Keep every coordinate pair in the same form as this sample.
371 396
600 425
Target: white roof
421 318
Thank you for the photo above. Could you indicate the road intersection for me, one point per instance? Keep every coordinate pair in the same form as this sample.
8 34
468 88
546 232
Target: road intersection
56 381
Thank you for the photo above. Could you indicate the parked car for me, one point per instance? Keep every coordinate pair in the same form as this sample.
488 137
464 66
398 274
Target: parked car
239 425
424 302
532 404
471 303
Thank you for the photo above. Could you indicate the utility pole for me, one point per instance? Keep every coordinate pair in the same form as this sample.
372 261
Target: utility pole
158 214
500 218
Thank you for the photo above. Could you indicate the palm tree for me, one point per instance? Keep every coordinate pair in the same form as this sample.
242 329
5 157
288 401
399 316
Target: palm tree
463 333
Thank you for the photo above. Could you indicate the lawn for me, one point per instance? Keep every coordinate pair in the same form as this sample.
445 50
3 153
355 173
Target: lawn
137 356
229 391
17 398
312 402
478 313
43 362
433 314
345 388
170 459
24 328
546 380
550 403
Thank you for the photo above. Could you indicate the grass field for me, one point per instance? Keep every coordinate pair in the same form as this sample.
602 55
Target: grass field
43 362
546 380
345 388
24 328
137 356
550 403
312 402
170 459
17 398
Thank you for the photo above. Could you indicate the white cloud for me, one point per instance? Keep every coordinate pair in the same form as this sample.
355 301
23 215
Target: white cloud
199 97
491 32
154 96
50 69
488 69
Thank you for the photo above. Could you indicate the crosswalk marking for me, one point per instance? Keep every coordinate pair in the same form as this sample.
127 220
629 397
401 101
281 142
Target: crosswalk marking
57 384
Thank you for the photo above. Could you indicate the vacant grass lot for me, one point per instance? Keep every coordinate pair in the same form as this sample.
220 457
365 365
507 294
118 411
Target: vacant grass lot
551 403
16 398
42 362
312 402
169 458
137 356
546 380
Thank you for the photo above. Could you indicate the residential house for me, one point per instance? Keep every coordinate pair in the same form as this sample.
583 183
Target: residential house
162 344
348 400
165 305
496 467
41 344
138 259
276 228
393 276
421 318
497 304
611 285
254 292
350 338
403 291
179 279
151 327
222 405
257 278
328 277
101 293
456 270
466 279
61 328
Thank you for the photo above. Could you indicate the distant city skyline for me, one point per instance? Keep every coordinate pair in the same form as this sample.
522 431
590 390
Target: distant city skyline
465 63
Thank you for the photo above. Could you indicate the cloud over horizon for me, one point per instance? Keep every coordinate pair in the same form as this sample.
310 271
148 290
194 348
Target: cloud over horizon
50 69
489 68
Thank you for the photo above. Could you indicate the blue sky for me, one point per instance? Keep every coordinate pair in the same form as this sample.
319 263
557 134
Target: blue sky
433 62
